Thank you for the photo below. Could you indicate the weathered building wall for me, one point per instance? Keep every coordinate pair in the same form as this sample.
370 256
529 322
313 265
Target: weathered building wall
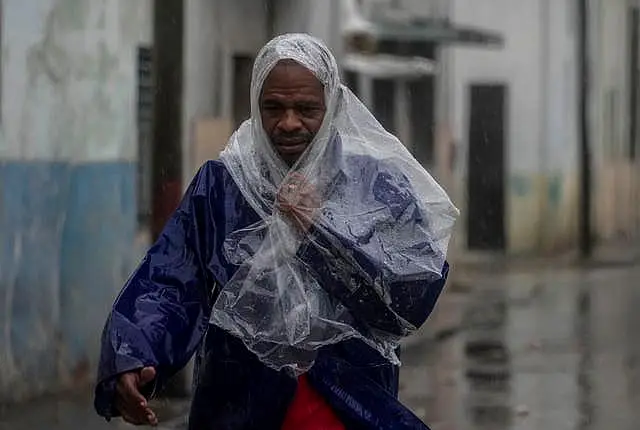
616 175
215 32
319 18
538 65
438 9
202 69
558 174
67 182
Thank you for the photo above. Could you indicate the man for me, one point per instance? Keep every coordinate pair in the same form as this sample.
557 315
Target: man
293 266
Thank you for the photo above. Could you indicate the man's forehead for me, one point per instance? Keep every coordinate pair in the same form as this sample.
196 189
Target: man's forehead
292 63
289 73
308 51
292 66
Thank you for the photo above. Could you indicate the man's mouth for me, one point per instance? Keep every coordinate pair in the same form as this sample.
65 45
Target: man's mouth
291 146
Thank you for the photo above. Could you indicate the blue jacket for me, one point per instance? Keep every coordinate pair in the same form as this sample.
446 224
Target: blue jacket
161 318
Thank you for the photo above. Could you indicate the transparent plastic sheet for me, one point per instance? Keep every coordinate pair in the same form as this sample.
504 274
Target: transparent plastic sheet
369 191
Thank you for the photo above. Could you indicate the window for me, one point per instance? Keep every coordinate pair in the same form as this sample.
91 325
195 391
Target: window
422 115
242 70
351 80
145 133
384 103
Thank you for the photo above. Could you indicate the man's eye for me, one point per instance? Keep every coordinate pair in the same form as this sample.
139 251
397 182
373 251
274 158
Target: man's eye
309 110
271 110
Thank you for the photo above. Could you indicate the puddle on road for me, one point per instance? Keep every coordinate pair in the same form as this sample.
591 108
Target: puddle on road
557 351
487 363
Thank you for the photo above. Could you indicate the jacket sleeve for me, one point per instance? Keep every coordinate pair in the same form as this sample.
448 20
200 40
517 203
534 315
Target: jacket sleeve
160 315
353 267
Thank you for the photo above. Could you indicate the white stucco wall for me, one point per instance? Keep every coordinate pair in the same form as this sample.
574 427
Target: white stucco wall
215 31
67 183
318 18
69 78
243 25
517 65
203 63
293 16
219 29
538 64
611 56
426 9
616 181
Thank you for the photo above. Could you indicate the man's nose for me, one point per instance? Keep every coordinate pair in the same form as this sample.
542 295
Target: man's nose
290 121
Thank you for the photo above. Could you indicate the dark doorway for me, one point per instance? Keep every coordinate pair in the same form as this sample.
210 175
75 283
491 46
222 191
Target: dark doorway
352 81
242 69
384 103
146 91
422 116
486 196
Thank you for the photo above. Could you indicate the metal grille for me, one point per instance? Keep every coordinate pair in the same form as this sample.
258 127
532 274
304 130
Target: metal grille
146 90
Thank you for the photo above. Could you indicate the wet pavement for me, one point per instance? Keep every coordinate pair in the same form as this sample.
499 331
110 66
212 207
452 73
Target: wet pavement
550 349
517 350
75 412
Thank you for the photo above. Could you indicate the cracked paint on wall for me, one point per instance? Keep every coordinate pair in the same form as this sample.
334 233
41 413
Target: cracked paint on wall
67 183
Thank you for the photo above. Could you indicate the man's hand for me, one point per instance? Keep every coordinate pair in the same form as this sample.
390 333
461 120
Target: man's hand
298 199
131 404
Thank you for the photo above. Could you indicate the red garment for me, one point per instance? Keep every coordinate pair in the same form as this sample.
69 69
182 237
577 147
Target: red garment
309 411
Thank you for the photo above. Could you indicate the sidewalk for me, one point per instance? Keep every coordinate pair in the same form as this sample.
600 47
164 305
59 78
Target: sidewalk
472 280
75 411
544 347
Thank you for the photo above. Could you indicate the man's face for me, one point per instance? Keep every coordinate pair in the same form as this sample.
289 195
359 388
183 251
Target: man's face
292 108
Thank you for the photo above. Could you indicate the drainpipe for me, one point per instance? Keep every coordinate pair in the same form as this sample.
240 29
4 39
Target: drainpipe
545 134
168 24
443 144
584 213
270 6
167 149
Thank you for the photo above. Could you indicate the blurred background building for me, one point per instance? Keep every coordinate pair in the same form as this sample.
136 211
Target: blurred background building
485 94
109 107
514 113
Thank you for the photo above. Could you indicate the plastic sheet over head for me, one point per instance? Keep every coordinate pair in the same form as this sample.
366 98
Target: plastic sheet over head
369 192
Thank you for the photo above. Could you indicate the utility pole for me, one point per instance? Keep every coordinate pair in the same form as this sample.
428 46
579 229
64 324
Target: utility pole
168 54
168 36
584 78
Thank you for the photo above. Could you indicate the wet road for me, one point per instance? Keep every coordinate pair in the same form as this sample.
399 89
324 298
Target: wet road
539 350
521 350
76 413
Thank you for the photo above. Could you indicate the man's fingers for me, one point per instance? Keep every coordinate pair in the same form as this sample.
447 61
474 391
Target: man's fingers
138 415
129 413
147 375
152 419
297 178
130 402
127 417
149 419
128 390
299 200
121 406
